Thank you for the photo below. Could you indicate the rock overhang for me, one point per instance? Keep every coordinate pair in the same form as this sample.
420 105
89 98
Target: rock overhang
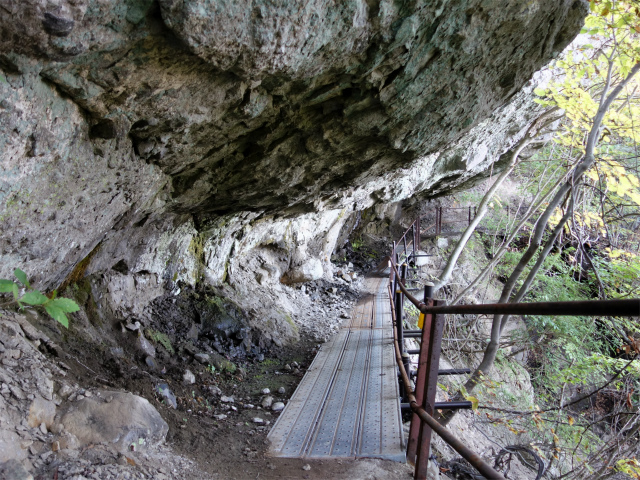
212 109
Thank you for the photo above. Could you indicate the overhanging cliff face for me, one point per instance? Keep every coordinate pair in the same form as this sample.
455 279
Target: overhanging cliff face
176 134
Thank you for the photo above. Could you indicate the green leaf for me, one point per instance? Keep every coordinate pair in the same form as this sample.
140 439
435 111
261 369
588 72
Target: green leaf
6 286
65 304
469 398
34 298
541 92
20 275
57 314
16 292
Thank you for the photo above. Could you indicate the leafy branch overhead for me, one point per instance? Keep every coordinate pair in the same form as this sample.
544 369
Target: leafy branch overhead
57 308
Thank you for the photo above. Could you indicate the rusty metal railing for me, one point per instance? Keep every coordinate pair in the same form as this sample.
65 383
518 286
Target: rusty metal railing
422 399
419 442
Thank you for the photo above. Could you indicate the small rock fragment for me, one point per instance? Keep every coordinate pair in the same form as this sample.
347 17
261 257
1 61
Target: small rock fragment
267 401
193 332
151 362
134 327
64 391
266 391
163 390
258 420
282 390
220 416
215 390
188 378
145 345
306 467
17 392
225 399
202 357
117 352
277 407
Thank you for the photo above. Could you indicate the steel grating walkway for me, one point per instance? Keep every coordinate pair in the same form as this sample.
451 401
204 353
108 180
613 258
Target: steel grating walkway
347 405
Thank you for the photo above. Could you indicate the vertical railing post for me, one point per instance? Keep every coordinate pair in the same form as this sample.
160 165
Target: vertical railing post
392 262
429 391
421 376
413 242
469 214
399 304
404 240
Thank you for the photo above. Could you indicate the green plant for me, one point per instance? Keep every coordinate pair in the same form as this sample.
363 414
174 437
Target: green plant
357 243
57 308
161 338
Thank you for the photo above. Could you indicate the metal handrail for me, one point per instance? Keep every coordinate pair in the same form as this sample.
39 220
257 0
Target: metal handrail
612 308
465 452
628 307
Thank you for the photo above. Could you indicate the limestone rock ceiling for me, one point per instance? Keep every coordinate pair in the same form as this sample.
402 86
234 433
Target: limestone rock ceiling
263 105
212 108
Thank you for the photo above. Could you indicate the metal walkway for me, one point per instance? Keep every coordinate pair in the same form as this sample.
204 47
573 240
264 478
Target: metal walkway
347 405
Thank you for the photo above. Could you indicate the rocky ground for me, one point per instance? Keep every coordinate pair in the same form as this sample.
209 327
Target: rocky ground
192 412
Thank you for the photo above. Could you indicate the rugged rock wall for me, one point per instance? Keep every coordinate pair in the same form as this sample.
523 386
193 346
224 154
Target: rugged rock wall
182 140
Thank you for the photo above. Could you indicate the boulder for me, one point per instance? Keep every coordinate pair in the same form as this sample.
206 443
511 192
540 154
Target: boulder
10 448
14 470
308 271
41 411
122 420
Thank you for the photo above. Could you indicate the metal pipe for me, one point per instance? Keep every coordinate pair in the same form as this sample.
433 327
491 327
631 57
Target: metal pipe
470 456
615 308
444 405
404 240
454 371
622 308
412 334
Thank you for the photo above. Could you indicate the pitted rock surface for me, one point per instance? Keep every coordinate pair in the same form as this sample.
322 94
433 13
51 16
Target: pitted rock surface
114 115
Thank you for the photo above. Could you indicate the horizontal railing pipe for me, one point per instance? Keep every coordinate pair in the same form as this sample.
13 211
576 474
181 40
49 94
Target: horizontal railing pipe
461 405
611 308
